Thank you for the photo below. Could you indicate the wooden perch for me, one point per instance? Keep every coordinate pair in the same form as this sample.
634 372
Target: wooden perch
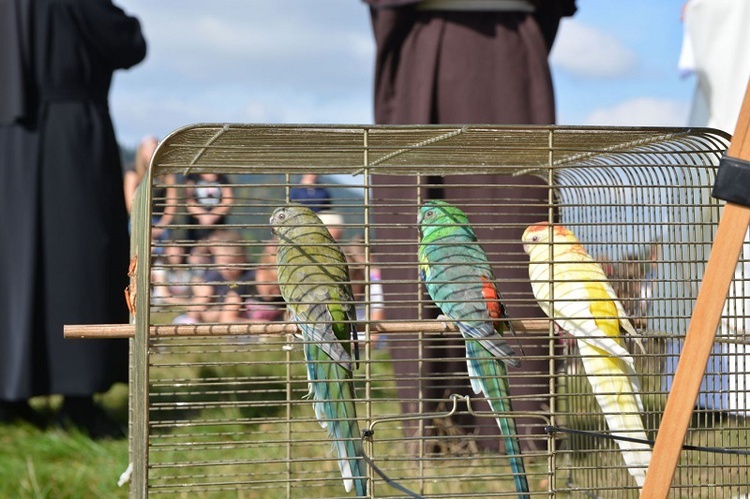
94 331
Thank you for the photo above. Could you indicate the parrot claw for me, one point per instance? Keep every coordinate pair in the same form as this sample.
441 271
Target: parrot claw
290 342
558 330
443 321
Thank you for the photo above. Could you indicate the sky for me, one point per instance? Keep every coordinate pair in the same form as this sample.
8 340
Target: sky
305 61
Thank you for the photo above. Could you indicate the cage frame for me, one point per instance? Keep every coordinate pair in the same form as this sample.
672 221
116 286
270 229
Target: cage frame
541 158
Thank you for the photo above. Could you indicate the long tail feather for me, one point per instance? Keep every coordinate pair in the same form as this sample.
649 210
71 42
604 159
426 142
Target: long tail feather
614 385
332 392
488 376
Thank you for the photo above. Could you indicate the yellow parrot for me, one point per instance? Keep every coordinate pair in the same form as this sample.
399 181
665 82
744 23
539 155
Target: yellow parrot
572 289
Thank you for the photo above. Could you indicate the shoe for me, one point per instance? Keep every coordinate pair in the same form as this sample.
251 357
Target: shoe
84 414
20 410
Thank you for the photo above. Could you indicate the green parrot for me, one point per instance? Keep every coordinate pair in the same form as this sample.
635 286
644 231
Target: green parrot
314 281
459 279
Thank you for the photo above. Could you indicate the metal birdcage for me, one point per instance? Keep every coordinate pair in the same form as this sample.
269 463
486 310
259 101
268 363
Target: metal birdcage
218 384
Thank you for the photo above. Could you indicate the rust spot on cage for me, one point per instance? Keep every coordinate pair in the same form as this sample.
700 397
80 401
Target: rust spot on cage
130 289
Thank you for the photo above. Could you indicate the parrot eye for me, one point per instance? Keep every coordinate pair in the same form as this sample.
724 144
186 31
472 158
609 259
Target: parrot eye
429 213
535 239
281 216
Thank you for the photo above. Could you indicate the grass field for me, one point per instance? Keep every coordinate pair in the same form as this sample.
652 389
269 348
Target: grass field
237 430
55 463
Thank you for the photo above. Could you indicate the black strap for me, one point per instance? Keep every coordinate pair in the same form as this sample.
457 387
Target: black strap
366 435
551 430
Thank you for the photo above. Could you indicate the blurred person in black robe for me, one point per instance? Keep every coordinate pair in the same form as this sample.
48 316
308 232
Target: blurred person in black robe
464 62
63 233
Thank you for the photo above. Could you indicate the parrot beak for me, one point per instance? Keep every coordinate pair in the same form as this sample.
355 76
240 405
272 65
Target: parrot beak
526 248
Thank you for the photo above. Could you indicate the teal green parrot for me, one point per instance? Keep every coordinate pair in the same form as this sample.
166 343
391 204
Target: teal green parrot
460 281
314 281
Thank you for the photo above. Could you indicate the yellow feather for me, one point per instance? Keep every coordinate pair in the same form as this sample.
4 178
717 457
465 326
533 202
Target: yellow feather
603 310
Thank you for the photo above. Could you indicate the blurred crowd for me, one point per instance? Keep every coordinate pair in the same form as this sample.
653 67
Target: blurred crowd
213 273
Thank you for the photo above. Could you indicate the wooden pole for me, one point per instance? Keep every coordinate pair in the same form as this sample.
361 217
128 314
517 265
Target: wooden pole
702 329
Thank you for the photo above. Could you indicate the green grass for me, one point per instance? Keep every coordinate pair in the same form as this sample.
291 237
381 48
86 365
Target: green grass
240 435
222 418
55 463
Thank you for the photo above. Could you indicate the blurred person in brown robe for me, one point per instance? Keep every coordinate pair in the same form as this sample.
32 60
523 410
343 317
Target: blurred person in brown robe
64 232
464 62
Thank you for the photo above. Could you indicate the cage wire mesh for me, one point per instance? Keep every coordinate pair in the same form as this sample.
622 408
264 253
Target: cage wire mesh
219 380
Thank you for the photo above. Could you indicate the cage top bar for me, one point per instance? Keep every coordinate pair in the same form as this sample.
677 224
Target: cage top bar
411 149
